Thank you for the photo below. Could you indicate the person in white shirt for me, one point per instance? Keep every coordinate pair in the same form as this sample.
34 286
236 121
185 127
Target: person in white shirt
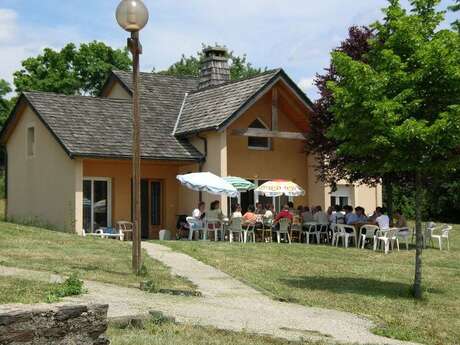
338 217
269 211
382 220
320 216
237 211
198 213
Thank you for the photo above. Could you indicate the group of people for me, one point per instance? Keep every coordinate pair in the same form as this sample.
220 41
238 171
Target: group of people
334 215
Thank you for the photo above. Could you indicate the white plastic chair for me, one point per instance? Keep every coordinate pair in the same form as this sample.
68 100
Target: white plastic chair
195 226
284 224
347 235
443 236
267 228
310 229
335 234
387 238
216 226
322 231
427 232
367 232
404 234
249 231
236 227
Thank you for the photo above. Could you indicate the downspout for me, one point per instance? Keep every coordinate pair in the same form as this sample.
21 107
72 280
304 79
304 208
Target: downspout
202 160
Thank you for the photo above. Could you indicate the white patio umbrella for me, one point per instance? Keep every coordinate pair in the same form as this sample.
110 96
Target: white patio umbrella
208 182
279 187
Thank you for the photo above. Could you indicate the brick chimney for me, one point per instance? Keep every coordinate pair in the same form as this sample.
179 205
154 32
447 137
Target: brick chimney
214 68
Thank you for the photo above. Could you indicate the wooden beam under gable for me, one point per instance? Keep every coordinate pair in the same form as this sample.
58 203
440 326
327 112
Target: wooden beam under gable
265 133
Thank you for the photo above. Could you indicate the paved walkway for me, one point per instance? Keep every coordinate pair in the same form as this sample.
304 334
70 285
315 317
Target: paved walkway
226 304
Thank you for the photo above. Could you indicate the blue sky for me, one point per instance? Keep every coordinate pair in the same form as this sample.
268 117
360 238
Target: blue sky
294 34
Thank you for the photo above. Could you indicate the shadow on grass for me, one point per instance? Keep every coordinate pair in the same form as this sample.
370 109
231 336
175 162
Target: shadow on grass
362 286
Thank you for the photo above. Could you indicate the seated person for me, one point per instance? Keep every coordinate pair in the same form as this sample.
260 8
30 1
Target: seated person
269 213
236 211
382 220
283 214
199 213
307 216
215 213
320 216
401 222
291 207
338 217
358 217
250 217
348 211
260 208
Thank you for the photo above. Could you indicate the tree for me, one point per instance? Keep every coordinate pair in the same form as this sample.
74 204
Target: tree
5 104
330 166
71 70
401 107
190 66
456 8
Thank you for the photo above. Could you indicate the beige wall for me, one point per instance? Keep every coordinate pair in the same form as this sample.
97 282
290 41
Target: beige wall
286 159
47 187
116 90
119 171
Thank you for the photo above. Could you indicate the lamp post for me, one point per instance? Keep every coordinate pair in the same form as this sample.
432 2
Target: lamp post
132 16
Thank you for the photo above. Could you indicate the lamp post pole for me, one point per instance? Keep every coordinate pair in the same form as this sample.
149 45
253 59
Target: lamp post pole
136 49
132 15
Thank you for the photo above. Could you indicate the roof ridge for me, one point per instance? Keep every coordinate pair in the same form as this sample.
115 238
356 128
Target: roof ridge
189 77
271 71
180 113
26 93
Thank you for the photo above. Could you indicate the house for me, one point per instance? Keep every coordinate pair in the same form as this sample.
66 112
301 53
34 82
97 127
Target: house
68 157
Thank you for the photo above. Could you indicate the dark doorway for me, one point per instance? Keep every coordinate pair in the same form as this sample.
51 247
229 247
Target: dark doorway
145 226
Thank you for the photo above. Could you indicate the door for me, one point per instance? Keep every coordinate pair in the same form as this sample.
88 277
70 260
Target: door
97 203
151 208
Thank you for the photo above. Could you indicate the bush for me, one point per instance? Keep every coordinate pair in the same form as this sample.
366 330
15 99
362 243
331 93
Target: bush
72 286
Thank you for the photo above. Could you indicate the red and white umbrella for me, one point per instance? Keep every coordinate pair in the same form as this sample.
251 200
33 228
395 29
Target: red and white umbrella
280 187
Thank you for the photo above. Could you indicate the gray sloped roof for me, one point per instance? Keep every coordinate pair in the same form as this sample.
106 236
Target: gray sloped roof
102 127
211 108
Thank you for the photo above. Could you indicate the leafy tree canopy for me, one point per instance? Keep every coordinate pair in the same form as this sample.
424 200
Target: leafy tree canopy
72 70
400 110
5 104
190 66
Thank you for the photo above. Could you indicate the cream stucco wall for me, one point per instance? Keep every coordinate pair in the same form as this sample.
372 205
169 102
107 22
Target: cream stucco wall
44 188
117 91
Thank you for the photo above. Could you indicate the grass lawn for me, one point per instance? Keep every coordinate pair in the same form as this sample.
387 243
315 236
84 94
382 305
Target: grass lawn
172 334
353 280
14 290
91 258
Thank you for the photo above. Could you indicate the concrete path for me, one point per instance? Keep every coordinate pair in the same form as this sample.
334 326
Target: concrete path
226 304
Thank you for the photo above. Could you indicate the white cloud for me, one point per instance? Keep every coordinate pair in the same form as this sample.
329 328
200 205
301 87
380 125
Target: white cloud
18 42
306 84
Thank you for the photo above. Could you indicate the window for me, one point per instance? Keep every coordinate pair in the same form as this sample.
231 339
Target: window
30 141
258 143
97 204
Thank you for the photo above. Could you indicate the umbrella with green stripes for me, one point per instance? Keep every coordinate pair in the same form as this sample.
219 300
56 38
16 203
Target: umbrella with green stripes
239 183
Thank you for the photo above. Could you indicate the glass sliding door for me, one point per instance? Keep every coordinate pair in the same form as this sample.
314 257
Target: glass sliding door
97 204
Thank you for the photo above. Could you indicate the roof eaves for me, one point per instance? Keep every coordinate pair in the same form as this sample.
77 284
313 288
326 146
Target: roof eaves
128 157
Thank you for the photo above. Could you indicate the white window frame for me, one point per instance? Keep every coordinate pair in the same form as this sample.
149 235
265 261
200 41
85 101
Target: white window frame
109 199
34 146
269 139
343 191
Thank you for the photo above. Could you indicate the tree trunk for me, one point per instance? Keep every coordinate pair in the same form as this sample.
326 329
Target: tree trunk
419 236
389 197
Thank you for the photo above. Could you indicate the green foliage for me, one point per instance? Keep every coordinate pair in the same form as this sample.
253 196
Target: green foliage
456 8
72 286
71 70
5 104
401 111
190 66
